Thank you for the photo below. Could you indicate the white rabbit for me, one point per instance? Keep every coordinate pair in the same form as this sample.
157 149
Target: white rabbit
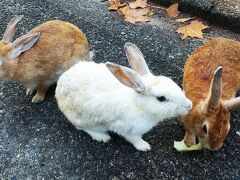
97 98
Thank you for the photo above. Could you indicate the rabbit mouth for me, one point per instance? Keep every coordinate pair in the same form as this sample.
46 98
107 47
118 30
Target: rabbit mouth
208 146
182 111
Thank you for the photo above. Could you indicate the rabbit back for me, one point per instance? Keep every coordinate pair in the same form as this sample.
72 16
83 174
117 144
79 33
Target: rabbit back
91 97
200 66
60 46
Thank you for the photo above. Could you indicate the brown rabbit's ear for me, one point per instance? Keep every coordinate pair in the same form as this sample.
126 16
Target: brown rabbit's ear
215 90
136 59
22 44
232 104
11 29
127 76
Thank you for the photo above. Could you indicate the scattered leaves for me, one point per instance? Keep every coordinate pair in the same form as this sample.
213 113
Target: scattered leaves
172 11
181 20
115 5
134 15
194 29
138 4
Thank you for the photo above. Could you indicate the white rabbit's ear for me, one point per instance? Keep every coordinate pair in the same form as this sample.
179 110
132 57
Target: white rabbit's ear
127 76
22 44
136 59
11 29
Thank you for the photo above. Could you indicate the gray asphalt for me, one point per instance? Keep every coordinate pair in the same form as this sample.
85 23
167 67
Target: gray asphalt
36 140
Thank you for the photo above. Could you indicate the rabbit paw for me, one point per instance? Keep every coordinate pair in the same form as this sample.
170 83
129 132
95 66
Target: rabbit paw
139 143
29 91
142 146
38 98
99 136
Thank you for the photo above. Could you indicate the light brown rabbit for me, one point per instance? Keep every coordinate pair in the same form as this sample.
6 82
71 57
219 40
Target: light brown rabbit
38 58
211 80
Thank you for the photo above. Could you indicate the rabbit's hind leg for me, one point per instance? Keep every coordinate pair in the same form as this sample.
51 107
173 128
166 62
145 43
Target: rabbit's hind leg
98 136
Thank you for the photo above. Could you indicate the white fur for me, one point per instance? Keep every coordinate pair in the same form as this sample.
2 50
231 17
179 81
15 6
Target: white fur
93 100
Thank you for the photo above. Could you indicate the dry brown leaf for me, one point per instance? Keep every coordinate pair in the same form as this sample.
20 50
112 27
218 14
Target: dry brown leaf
181 20
138 4
150 12
138 19
194 29
172 11
115 5
134 15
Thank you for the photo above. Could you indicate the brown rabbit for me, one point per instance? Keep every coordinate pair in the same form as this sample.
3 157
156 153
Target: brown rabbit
38 58
211 79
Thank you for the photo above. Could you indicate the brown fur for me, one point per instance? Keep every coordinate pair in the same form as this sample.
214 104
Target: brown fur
198 73
59 46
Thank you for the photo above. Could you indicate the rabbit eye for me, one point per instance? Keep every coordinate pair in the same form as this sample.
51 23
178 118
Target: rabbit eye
161 98
205 129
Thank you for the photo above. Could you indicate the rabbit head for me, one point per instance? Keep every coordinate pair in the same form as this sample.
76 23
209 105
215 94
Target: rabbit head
159 94
211 116
10 51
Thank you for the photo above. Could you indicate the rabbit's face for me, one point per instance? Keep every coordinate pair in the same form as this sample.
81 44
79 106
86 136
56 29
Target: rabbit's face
167 96
210 126
215 128
10 50
5 64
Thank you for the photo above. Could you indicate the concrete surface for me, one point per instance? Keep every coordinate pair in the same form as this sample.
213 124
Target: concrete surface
36 140
225 13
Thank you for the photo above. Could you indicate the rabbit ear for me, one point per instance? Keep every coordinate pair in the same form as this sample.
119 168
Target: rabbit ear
232 104
11 29
127 76
136 59
215 90
22 44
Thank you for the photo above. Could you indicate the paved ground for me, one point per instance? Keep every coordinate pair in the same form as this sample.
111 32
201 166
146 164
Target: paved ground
36 140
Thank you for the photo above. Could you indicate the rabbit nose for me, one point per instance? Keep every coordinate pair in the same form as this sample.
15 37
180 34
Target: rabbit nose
189 104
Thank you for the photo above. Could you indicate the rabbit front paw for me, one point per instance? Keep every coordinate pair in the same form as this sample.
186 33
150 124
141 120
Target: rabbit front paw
29 91
38 98
41 93
139 143
142 146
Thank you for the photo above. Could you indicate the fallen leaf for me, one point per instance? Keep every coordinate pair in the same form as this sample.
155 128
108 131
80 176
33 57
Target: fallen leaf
115 5
172 11
150 12
134 15
181 20
134 20
194 29
138 4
